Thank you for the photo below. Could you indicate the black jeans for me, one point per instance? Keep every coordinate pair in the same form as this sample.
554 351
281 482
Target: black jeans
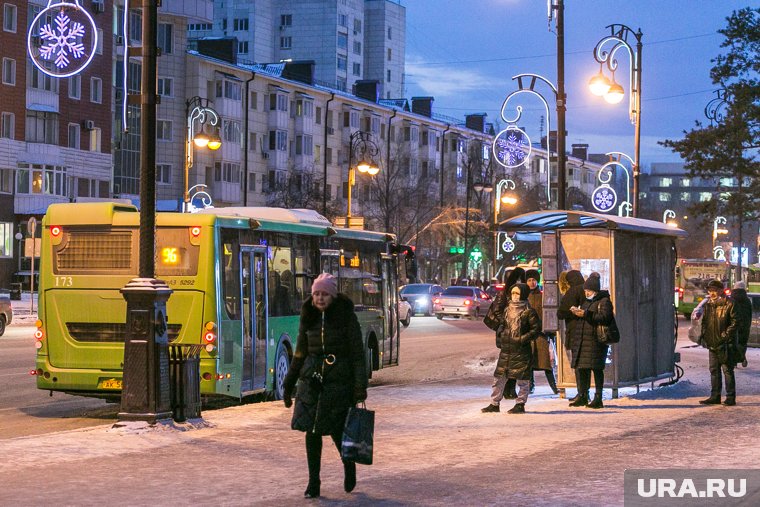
715 378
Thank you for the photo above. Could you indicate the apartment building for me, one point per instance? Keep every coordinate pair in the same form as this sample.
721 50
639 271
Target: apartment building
349 40
55 133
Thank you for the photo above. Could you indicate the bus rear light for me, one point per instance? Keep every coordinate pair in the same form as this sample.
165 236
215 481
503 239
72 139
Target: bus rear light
38 323
33 372
37 344
55 230
207 376
210 348
195 235
209 337
38 335
219 376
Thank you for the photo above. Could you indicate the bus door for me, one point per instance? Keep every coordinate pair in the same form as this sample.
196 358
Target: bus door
253 275
329 261
390 310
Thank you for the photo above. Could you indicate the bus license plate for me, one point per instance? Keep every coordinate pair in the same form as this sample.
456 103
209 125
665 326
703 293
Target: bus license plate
111 383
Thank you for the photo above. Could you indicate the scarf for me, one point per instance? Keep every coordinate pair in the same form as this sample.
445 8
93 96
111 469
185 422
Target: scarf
512 315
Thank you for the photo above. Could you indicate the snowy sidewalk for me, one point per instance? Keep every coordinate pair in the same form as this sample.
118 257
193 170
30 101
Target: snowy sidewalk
23 312
433 446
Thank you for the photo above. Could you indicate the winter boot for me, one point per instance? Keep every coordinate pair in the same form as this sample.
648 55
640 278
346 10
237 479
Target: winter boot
532 384
349 480
519 408
730 401
509 389
490 408
552 382
712 400
312 490
580 401
596 402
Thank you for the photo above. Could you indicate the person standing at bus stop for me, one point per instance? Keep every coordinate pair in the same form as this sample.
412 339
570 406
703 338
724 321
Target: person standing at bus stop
329 374
542 355
571 287
719 336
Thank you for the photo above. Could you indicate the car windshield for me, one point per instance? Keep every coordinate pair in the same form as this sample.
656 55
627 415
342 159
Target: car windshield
457 291
415 289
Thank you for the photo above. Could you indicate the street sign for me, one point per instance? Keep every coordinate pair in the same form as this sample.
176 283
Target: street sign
32 246
31 226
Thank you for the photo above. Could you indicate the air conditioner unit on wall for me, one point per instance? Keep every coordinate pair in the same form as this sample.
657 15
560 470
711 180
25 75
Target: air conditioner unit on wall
330 130
264 154
88 124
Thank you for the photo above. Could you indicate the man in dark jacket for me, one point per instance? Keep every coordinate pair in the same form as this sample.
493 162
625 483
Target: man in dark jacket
719 337
571 288
516 327
743 319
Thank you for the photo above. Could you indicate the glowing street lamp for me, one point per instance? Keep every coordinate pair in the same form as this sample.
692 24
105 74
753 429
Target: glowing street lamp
362 143
669 213
199 115
613 93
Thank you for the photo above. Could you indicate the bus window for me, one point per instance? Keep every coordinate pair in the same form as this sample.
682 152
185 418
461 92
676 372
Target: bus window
303 268
230 260
280 287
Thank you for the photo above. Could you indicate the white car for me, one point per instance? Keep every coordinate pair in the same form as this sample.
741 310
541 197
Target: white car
404 313
461 301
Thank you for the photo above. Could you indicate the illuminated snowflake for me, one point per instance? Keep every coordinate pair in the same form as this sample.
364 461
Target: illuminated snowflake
66 41
508 245
604 199
510 149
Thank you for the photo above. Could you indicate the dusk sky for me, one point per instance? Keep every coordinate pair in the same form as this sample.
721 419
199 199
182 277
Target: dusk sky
465 53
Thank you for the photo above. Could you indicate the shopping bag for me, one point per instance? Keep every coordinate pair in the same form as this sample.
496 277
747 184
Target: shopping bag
695 330
358 435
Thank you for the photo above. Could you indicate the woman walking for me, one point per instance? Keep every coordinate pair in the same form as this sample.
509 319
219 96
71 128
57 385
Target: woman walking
328 373
589 354
516 327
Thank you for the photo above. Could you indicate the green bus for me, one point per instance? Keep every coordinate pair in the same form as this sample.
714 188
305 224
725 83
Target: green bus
238 276
691 278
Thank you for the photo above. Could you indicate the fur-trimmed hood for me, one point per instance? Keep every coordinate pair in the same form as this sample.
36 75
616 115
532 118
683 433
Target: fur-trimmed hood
338 311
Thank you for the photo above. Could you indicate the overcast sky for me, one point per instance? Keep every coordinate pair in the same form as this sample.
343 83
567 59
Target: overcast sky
465 53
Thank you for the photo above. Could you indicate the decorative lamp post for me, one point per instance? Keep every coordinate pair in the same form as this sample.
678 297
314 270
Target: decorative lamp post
669 213
604 197
360 143
511 147
501 198
479 187
718 251
600 85
199 115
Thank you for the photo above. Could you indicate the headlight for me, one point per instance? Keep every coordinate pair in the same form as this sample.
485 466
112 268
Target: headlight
422 300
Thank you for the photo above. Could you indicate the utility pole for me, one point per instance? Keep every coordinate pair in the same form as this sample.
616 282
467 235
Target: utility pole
561 106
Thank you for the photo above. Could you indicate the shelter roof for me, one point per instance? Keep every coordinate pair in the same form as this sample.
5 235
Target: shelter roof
550 220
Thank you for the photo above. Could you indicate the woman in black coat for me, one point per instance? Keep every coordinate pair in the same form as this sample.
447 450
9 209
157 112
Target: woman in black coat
589 354
571 288
516 327
328 373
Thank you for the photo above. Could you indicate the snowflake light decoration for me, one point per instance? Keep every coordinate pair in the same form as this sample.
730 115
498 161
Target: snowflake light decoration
604 198
508 245
510 145
64 43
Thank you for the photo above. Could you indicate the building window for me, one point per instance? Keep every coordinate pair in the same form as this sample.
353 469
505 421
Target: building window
6 181
390 54
358 26
41 179
304 145
231 131
357 68
41 127
75 87
304 108
164 130
135 26
9 71
229 90
388 76
278 102
685 182
278 140
243 47
342 64
74 135
357 48
705 196
390 33
251 182
666 182
9 18
252 141
165 86
328 155
96 90
164 39
227 171
95 139
6 239
164 174
286 20
685 196
8 125
342 41
99 47
240 24
286 42
341 84
41 81
343 20
253 102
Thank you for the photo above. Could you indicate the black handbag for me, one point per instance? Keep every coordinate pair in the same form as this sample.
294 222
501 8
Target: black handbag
609 333
358 435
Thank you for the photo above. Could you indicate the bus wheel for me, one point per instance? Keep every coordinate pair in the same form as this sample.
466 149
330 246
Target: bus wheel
2 324
369 362
281 365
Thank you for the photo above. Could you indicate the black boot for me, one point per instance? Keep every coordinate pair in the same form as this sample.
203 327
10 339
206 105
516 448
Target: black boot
571 400
596 402
532 383
349 477
490 408
730 401
580 401
552 382
712 400
519 408
312 490
314 459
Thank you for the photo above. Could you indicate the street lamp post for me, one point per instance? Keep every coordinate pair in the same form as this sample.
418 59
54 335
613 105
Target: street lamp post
718 251
668 213
199 113
499 199
613 93
479 187
360 143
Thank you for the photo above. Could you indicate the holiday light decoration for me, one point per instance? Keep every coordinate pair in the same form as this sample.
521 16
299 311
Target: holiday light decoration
511 147
62 39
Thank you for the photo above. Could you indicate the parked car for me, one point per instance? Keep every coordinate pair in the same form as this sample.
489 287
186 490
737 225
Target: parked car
494 289
460 301
6 312
404 312
420 296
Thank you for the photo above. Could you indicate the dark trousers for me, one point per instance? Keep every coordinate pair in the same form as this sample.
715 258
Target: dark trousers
583 379
716 383
314 453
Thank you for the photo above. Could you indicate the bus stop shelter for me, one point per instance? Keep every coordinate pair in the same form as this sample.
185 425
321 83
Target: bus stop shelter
635 258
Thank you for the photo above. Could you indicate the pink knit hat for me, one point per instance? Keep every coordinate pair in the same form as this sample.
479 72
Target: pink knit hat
325 283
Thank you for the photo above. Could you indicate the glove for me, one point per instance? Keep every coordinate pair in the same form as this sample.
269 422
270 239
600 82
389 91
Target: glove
360 394
287 397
